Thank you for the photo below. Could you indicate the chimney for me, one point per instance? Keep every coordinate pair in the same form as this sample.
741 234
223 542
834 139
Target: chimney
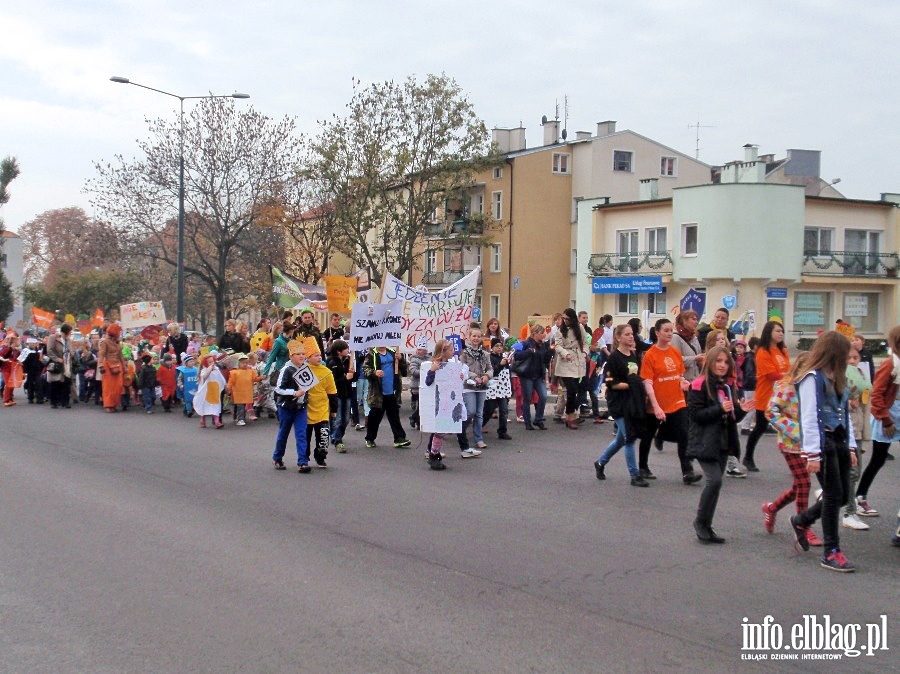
582 135
508 140
649 189
551 131
751 152
606 128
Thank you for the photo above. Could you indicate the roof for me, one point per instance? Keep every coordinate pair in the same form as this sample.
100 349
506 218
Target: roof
6 234
631 204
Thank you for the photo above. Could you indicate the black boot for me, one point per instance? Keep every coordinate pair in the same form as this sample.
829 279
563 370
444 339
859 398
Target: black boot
598 467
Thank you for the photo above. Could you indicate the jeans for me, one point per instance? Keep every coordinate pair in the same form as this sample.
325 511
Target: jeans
288 419
474 401
618 442
834 472
709 498
529 385
148 396
362 392
339 425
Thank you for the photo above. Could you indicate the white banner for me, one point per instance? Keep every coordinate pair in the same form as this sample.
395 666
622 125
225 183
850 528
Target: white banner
375 325
441 407
142 314
432 315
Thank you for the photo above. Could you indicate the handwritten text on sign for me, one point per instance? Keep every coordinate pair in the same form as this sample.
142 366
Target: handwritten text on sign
141 314
432 315
375 325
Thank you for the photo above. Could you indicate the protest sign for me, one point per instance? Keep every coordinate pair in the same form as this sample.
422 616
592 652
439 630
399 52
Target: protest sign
290 293
141 314
441 406
432 315
341 293
376 325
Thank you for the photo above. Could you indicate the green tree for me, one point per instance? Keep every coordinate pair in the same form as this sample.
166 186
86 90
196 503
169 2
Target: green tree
82 292
9 170
233 158
392 162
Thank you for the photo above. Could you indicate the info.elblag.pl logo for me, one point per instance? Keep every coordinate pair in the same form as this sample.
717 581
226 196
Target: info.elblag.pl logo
813 638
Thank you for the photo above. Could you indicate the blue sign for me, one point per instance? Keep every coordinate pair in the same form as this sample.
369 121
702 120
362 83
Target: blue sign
476 313
776 293
729 302
606 285
694 300
457 342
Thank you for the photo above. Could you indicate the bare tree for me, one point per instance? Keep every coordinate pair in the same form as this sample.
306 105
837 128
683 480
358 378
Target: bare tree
234 158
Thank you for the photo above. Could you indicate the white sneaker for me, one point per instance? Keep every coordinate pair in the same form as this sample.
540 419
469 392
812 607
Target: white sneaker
864 509
241 423
733 469
851 521
480 445
470 453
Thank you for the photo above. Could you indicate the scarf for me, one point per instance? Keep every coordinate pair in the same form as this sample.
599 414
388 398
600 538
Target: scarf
475 354
684 333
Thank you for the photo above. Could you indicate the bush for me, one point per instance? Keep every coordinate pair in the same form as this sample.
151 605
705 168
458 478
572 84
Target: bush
877 347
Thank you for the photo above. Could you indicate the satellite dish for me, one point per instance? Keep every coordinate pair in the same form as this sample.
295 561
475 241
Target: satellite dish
564 134
543 120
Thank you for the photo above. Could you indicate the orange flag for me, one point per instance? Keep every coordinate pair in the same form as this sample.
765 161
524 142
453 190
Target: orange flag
97 320
42 318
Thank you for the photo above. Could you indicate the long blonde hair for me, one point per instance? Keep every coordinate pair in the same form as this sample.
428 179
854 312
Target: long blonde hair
829 353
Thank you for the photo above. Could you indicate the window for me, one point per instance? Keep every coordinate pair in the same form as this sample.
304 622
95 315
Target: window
494 308
689 240
497 205
656 241
622 160
817 241
667 166
861 311
811 311
627 304
478 203
627 249
656 303
861 251
573 262
495 259
498 172
560 162
431 262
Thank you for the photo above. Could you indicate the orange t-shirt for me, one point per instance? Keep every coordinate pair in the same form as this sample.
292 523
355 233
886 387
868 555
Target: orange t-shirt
664 368
771 365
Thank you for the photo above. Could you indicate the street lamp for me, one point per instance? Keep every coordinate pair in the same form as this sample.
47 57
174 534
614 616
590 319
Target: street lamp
179 311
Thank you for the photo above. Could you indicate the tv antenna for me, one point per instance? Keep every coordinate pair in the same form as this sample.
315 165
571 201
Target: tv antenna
699 126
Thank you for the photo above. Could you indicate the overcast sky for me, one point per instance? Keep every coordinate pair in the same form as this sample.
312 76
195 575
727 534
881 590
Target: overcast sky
819 74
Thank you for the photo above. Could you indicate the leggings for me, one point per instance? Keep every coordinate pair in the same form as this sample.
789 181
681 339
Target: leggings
677 424
799 491
756 434
879 454
571 384
835 469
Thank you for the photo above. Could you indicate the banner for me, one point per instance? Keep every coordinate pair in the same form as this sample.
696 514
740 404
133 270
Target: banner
42 318
376 325
694 299
432 315
341 293
626 284
98 318
141 314
290 293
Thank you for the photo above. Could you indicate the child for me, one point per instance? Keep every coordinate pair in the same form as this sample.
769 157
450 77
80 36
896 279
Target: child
146 381
291 400
128 380
240 388
340 364
415 367
208 397
34 366
499 364
322 404
826 438
165 377
264 398
186 383
443 352
783 413
860 388
252 362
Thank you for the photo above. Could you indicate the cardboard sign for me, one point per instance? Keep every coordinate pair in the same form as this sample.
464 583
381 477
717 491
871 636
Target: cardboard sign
376 325
441 406
341 293
142 314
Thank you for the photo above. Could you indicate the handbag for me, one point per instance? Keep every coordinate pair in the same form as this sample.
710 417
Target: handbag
115 368
520 367
55 368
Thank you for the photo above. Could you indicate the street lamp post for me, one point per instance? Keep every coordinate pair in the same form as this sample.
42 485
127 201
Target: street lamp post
179 311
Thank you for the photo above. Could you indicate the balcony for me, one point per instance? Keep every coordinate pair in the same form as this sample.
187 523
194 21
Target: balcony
624 264
847 263
444 278
457 226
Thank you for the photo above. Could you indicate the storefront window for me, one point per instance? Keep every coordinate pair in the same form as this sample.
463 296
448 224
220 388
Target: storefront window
811 311
861 311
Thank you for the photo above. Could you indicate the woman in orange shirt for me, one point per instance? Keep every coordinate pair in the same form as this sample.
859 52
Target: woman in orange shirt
772 363
662 370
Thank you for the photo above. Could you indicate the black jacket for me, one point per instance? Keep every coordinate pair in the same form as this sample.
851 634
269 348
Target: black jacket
538 358
712 433
339 368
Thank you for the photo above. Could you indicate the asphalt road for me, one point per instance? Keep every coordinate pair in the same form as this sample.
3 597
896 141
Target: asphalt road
136 543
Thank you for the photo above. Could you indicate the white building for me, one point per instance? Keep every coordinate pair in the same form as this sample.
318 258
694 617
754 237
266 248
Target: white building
14 270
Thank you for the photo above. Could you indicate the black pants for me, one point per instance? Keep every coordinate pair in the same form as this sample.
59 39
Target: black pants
501 404
675 430
390 408
761 424
59 392
879 455
834 473
318 436
709 498
571 385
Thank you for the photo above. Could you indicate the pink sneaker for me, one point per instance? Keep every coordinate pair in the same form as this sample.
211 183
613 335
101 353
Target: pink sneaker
769 517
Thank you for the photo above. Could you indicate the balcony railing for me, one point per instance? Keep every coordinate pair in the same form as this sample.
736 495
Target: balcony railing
642 262
456 226
847 263
444 278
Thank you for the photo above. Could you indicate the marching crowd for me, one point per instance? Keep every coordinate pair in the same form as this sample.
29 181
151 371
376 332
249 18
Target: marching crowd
699 387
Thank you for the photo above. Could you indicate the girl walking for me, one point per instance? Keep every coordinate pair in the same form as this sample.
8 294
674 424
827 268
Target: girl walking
772 363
